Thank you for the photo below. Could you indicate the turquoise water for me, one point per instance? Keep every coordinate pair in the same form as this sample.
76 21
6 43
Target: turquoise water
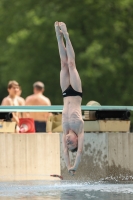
64 190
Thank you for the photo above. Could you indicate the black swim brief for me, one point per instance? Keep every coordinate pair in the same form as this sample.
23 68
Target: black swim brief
71 92
40 126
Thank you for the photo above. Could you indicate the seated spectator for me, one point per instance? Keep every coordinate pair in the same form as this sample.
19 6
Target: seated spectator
38 99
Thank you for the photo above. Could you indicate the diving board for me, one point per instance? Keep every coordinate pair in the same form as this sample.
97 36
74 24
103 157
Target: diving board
59 108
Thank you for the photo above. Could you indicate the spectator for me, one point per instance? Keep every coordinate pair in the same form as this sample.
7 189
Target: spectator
19 94
12 99
38 99
21 98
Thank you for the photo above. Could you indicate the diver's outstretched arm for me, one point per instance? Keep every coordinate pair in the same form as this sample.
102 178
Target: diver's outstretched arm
66 153
79 152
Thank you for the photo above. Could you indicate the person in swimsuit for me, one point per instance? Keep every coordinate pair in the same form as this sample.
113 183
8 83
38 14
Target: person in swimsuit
19 92
19 95
12 99
72 122
38 99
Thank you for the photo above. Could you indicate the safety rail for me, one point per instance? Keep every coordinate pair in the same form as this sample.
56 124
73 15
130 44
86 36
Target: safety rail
59 108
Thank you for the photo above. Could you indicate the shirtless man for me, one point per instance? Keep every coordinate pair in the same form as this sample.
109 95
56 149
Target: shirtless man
19 94
12 99
72 122
38 99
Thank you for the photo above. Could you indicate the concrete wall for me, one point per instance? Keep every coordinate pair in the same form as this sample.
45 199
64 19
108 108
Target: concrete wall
29 156
94 163
120 156
105 156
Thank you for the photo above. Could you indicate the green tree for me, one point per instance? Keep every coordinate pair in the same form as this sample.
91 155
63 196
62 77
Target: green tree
101 33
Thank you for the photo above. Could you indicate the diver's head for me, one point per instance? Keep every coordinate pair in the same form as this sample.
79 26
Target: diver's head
72 141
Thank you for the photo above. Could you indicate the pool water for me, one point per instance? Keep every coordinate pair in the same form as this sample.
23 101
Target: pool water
65 190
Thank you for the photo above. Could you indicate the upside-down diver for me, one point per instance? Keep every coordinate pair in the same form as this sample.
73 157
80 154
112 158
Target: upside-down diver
70 82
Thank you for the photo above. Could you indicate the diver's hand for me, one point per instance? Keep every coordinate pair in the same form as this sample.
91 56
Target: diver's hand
71 171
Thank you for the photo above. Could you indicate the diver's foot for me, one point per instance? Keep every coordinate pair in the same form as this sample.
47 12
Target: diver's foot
58 31
63 28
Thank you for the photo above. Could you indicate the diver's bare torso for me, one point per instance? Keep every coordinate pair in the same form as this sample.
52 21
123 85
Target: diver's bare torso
71 115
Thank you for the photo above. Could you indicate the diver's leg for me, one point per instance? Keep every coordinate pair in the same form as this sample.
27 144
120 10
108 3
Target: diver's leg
75 80
64 73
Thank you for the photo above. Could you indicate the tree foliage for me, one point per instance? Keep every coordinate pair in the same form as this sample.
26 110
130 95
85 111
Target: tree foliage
101 33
